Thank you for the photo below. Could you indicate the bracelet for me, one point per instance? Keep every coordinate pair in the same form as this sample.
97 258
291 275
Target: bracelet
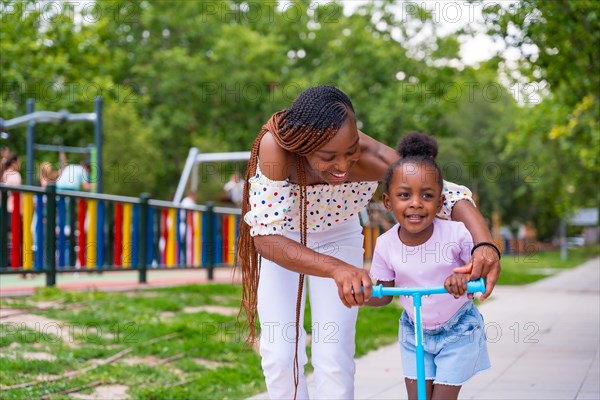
492 245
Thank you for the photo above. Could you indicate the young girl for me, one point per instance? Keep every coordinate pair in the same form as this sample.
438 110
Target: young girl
421 251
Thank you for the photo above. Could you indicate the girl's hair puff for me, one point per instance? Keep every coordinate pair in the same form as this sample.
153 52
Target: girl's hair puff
416 148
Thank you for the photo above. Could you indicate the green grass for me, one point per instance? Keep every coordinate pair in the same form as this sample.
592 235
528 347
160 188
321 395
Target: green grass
102 324
527 268
105 323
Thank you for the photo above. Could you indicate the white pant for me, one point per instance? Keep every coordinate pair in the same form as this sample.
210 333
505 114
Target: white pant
333 325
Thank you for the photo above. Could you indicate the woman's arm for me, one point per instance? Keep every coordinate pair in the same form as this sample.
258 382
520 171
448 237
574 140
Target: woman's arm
485 261
375 159
299 258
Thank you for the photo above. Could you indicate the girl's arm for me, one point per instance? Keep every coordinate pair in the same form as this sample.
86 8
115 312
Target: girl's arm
298 258
381 301
485 261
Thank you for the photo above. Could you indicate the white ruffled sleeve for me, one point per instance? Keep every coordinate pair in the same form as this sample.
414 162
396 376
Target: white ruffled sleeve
270 202
453 193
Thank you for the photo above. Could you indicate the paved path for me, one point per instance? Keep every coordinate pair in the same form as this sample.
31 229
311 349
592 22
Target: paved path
543 340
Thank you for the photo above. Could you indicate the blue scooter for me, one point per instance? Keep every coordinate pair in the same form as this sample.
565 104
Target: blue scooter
417 293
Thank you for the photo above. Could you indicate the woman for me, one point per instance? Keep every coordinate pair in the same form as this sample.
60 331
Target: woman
310 172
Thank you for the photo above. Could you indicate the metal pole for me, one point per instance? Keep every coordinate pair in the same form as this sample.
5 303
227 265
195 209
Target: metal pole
51 235
563 239
30 107
66 149
421 387
98 143
187 169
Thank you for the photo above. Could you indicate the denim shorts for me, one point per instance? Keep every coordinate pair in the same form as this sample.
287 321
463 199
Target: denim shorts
454 352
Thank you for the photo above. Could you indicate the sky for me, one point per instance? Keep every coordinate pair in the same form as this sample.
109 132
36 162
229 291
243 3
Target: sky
452 16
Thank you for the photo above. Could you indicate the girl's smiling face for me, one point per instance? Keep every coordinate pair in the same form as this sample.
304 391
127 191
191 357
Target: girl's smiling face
332 162
415 197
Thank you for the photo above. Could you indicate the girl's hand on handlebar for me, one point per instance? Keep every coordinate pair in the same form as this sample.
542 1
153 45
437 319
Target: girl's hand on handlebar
354 285
456 284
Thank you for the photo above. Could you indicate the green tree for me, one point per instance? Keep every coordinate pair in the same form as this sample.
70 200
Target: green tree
209 74
470 153
559 137
47 55
130 157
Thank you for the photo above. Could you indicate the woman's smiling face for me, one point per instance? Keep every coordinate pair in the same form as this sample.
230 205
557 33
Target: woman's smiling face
333 162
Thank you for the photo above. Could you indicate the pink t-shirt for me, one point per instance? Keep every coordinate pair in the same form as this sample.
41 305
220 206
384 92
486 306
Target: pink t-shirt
425 265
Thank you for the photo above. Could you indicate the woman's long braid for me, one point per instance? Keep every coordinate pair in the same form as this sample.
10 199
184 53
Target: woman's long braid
310 123
246 252
302 180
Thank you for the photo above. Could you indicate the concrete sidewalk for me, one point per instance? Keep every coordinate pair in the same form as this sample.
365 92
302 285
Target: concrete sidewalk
543 340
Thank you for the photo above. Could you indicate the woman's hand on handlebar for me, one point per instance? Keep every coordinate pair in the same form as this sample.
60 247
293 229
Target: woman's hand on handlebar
354 284
484 263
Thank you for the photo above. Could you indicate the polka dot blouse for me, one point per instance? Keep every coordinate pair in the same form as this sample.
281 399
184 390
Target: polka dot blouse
453 193
275 208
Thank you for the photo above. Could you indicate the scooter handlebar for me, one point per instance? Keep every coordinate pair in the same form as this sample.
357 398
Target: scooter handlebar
380 290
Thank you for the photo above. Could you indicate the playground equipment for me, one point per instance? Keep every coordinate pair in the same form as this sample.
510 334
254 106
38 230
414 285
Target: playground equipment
33 117
194 159
417 294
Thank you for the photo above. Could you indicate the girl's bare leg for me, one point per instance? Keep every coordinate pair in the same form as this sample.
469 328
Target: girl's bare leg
411 388
445 392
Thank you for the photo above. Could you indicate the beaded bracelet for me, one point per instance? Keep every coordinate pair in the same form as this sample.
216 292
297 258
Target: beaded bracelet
487 244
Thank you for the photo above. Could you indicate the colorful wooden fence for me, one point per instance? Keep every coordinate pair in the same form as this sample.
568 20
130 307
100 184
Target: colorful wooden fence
84 231
371 233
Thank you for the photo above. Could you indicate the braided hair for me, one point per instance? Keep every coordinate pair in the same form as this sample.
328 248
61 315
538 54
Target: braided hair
312 121
415 148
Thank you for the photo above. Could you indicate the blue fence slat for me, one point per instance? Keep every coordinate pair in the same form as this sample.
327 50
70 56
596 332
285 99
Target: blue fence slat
135 237
150 237
62 237
100 239
204 237
218 242
177 238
